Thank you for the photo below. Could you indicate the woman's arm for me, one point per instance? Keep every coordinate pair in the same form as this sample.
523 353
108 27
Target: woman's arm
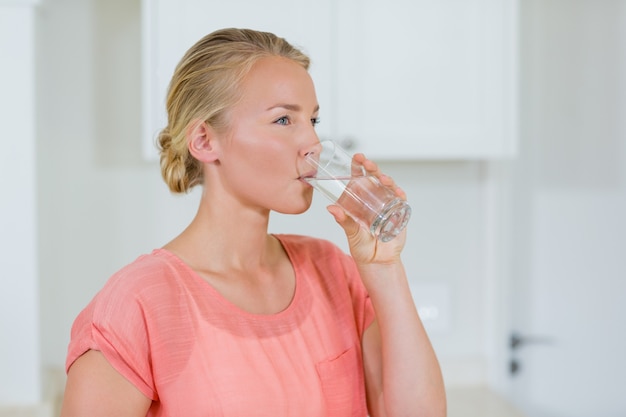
402 373
94 388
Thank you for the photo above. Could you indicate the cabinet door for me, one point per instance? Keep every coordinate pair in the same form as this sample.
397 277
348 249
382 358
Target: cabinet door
427 78
170 27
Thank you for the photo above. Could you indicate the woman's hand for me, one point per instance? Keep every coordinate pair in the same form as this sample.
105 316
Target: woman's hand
365 248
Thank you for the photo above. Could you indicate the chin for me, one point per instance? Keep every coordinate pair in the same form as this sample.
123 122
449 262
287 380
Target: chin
295 210
303 205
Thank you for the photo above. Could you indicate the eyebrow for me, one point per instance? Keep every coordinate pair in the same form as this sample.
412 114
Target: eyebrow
292 107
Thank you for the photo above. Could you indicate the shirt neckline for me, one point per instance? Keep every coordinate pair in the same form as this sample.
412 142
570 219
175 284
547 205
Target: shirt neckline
217 296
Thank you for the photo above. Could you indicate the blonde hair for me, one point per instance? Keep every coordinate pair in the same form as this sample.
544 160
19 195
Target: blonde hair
204 86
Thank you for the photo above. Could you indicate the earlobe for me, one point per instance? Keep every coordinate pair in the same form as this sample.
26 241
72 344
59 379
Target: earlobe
200 141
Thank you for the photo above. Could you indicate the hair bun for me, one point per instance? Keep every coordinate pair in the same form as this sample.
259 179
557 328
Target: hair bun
173 167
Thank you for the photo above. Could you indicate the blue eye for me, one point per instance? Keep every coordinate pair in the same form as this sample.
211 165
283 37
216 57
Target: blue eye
315 121
283 120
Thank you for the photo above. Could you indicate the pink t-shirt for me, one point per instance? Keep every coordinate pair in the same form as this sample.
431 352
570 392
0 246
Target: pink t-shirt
196 354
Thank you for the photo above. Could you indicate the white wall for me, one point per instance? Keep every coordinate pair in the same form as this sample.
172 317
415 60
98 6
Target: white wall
100 205
20 374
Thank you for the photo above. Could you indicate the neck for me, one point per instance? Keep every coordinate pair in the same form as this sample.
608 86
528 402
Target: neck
224 237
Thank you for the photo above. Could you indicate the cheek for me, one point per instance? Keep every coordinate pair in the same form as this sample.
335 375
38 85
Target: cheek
261 156
271 160
254 172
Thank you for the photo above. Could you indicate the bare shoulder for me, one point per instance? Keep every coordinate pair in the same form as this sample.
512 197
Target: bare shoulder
96 389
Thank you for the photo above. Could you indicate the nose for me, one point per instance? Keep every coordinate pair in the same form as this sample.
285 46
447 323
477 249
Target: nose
314 148
310 142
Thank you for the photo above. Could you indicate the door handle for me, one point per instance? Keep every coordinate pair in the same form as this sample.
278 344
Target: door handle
516 340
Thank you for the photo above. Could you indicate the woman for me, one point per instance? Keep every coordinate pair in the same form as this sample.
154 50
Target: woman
228 320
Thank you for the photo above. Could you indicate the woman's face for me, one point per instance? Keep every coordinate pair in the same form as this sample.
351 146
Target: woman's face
271 129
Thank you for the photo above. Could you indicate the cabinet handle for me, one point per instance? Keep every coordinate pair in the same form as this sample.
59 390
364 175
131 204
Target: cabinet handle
348 143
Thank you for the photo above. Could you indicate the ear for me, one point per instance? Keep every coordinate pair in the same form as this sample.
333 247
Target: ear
201 141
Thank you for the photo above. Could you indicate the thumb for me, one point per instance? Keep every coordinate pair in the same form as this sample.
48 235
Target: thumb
348 224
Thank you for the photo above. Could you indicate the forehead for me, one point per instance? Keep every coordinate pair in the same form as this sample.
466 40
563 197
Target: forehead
277 78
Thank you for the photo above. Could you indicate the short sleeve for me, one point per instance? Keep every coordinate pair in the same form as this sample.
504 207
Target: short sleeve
114 324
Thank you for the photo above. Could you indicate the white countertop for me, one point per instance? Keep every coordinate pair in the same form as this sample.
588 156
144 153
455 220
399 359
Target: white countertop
478 402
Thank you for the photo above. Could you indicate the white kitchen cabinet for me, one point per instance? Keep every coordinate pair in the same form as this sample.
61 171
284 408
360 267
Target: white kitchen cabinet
398 80
427 78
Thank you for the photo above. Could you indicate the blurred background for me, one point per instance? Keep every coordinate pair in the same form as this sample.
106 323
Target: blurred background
503 120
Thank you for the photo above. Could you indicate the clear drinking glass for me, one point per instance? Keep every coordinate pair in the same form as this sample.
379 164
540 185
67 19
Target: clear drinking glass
374 206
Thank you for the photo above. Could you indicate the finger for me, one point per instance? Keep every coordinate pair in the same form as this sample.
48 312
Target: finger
370 166
373 169
401 193
346 222
337 213
387 181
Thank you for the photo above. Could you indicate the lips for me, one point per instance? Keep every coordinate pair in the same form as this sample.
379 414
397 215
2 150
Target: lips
306 175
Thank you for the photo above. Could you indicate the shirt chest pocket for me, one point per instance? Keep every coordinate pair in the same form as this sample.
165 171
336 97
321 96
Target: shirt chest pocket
343 384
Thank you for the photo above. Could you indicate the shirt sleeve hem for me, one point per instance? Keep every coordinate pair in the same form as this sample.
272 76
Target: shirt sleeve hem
123 370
